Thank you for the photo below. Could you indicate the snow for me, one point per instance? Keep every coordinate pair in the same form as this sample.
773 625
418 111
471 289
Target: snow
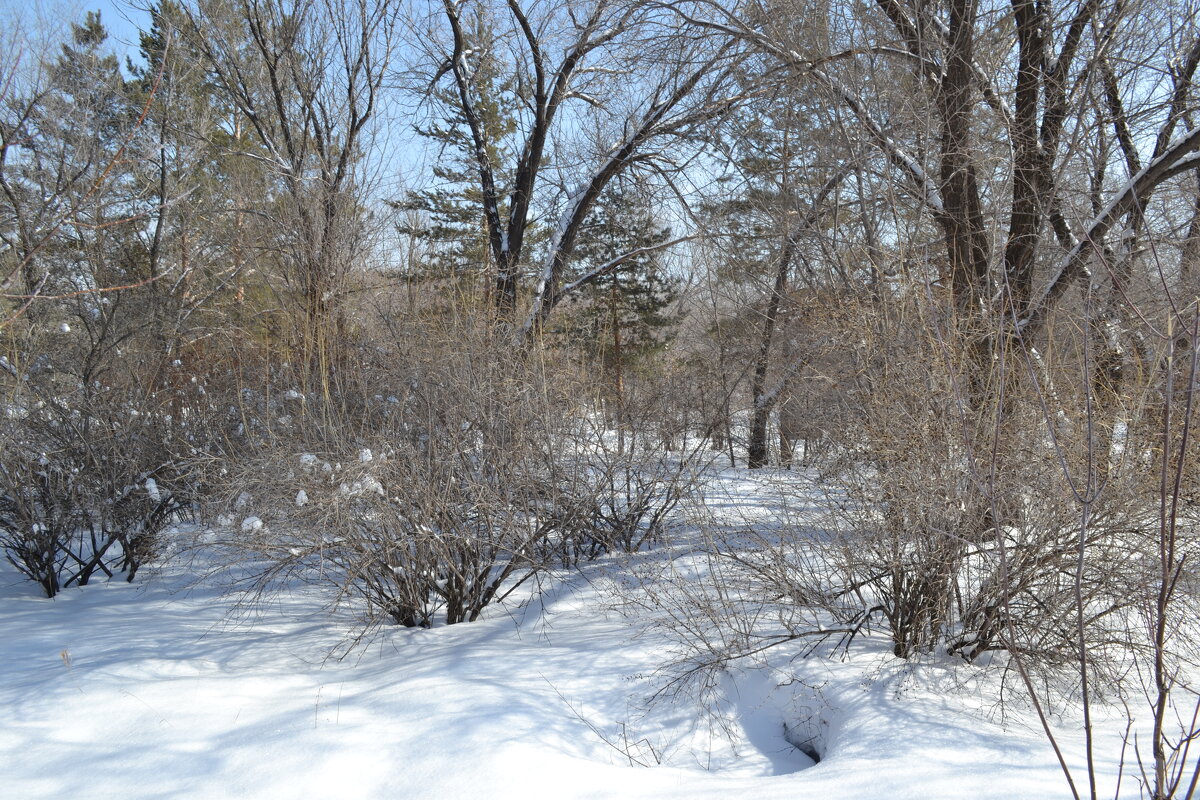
166 689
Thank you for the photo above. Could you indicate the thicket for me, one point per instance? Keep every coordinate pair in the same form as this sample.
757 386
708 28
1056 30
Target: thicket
937 259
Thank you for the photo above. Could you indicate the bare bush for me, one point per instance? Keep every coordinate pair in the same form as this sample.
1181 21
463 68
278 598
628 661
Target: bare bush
922 521
451 473
625 487
87 492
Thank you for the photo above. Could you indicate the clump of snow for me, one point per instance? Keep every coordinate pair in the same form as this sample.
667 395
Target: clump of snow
242 501
252 524
152 490
292 394
365 455
301 499
365 485
65 328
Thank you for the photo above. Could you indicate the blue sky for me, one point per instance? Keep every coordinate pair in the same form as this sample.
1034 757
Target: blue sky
122 21
120 18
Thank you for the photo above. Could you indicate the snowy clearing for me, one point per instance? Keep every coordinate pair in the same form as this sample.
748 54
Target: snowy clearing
158 690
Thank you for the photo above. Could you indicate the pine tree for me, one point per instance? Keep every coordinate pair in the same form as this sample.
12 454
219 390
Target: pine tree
69 185
780 182
450 221
200 171
74 181
623 317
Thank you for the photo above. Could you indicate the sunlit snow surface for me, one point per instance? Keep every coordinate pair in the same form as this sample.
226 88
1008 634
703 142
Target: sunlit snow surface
157 690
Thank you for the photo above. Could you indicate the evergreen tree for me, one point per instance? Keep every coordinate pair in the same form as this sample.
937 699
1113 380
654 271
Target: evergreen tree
71 188
450 221
623 316
201 173
77 201
778 157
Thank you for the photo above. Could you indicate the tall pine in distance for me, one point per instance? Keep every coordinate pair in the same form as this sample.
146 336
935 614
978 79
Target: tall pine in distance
201 170
74 146
772 200
624 316
446 217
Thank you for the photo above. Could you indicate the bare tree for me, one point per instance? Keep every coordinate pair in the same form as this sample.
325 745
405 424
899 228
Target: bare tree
306 78
569 57
1015 375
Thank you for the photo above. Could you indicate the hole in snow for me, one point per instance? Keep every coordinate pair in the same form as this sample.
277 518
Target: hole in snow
785 724
802 737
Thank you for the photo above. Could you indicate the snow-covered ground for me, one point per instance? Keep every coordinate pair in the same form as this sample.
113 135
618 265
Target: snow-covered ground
157 690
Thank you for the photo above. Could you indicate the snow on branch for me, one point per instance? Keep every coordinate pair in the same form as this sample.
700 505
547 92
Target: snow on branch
610 266
657 121
926 189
